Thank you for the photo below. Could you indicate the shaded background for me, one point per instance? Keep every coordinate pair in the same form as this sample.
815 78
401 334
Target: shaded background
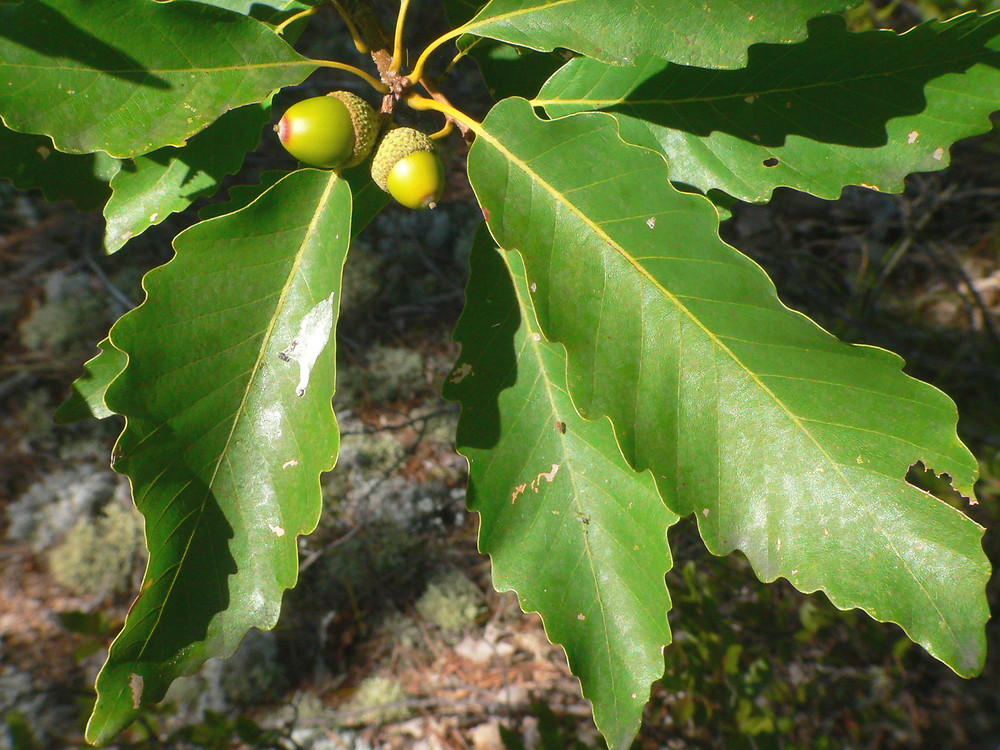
394 637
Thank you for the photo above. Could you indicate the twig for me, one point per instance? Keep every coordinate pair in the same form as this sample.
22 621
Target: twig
120 297
988 322
362 15
902 247
314 556
442 706
14 382
402 425
437 96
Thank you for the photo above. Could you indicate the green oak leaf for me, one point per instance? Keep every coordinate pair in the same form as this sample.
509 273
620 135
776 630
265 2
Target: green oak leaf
268 11
227 399
838 109
579 535
31 161
712 34
784 442
130 76
87 396
241 196
149 188
462 11
368 198
513 71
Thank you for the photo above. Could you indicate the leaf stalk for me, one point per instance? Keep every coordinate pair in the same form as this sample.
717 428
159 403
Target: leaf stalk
359 41
397 50
280 28
374 82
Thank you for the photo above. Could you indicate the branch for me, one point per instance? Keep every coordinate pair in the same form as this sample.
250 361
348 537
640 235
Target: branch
380 43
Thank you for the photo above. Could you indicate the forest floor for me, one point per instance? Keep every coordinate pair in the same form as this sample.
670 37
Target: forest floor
394 637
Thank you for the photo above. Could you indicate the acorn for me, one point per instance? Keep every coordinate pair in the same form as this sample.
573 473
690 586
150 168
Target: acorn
333 131
408 168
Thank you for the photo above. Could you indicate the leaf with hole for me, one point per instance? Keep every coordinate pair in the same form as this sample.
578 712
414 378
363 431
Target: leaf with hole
792 118
784 442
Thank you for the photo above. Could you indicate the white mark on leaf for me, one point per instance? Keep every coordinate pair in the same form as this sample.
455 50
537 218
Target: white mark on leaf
289 464
536 336
651 222
533 287
276 530
154 216
461 373
912 137
705 512
313 336
750 99
581 617
938 154
136 684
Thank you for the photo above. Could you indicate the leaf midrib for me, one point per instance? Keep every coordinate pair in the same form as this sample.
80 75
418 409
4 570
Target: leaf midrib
165 71
526 316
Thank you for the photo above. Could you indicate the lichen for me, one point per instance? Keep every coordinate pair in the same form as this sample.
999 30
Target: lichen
392 373
374 698
451 601
99 555
73 313
52 506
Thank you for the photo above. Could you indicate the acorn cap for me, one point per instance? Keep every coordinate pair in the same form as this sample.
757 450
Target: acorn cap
396 144
365 125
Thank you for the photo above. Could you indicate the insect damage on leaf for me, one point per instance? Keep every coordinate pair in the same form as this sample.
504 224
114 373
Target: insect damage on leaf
314 334
136 685
548 476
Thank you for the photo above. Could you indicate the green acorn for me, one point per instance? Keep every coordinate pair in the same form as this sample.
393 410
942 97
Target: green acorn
332 131
408 168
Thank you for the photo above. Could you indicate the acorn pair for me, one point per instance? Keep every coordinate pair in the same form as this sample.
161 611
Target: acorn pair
340 129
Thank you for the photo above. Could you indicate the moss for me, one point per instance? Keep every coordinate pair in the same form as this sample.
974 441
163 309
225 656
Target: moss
451 601
99 556
375 696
